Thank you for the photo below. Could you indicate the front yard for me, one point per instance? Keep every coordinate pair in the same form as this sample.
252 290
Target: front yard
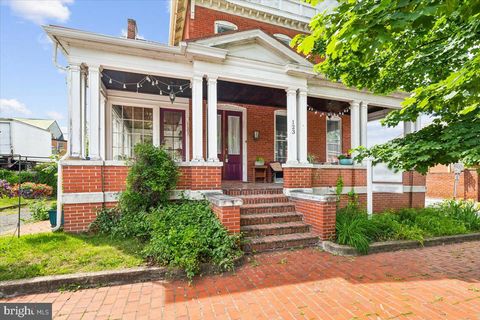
60 253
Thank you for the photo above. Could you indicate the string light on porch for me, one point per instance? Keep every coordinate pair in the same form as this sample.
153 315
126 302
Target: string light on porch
328 114
172 90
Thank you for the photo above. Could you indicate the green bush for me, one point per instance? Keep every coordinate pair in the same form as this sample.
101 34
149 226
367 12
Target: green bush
26 176
354 228
10 176
151 178
39 210
116 224
187 234
46 173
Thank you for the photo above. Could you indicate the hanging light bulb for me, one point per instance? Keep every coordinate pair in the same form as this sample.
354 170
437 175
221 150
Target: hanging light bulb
168 87
124 86
156 82
172 96
147 78
138 85
161 93
181 89
110 81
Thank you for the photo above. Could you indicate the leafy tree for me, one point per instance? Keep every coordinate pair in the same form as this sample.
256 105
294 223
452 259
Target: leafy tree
430 48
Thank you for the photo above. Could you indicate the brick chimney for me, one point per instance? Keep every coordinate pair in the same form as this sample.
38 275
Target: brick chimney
132 29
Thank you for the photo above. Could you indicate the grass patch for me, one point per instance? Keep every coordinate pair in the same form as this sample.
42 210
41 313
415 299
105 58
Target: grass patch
354 228
60 253
6 202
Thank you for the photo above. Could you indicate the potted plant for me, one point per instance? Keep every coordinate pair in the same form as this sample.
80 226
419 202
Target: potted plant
52 214
259 161
345 159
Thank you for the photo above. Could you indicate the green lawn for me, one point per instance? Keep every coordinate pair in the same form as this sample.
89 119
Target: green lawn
60 253
7 202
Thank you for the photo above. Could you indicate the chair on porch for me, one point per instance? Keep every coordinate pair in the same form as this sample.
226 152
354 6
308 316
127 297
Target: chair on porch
277 172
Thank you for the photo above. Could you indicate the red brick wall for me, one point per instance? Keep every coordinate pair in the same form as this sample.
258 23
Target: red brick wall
229 216
297 177
389 201
440 185
89 178
78 217
328 177
203 24
319 215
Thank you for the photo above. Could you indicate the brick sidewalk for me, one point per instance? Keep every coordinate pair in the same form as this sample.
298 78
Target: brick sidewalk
430 283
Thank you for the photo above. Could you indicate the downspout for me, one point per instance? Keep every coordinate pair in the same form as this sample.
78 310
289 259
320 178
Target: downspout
59 193
59 163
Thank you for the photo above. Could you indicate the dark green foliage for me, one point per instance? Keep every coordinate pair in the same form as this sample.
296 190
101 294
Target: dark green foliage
151 178
428 48
46 173
10 176
39 210
187 234
26 176
448 218
121 225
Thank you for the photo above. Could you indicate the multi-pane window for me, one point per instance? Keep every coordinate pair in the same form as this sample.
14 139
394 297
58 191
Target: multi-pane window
280 138
130 125
172 128
334 139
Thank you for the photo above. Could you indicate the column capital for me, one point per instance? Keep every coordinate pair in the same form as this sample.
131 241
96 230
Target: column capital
197 77
212 77
291 91
74 66
355 103
302 91
94 67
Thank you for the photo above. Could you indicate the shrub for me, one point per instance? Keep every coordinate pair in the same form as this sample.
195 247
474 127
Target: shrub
9 176
353 228
26 176
466 211
187 234
119 224
46 173
30 190
6 189
151 178
39 210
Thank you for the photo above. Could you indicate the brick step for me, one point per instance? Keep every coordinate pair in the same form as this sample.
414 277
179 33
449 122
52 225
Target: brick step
264 198
267 218
285 241
252 191
275 229
267 208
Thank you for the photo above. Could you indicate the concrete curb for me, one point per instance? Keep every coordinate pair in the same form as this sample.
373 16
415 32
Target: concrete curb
12 288
389 246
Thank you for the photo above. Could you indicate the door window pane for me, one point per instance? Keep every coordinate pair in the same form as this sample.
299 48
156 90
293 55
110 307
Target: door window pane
233 135
334 139
172 128
281 138
130 125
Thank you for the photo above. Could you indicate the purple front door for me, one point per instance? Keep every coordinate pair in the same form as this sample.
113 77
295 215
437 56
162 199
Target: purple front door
229 134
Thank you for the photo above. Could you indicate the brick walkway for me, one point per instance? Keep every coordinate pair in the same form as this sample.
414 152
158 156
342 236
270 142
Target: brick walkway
431 283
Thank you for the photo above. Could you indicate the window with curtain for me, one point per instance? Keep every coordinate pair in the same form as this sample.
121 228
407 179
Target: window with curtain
334 139
280 138
130 125
172 129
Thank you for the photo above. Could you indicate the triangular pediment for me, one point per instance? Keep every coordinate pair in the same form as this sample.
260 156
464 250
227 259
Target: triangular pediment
255 45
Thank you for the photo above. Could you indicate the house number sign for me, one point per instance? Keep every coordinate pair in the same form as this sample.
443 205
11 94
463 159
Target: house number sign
293 126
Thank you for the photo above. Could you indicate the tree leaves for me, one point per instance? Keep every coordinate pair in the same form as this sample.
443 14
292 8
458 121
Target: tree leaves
429 48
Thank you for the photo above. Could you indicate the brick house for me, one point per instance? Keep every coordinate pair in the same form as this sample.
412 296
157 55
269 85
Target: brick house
226 90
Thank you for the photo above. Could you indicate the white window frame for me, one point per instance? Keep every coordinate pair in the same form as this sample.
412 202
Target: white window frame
156 102
224 23
340 126
279 113
282 38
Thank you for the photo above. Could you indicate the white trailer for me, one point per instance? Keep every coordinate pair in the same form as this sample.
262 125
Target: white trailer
18 138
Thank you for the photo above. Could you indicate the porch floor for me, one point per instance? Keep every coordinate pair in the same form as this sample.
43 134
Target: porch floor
231 184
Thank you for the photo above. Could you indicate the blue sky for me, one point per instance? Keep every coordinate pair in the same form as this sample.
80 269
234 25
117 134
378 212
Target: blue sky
30 85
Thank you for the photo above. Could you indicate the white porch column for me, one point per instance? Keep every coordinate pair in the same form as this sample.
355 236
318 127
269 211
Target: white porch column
94 112
197 118
408 127
363 123
302 126
292 126
212 119
355 124
74 111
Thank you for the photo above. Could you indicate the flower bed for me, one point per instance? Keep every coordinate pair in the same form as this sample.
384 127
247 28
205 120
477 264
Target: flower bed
354 228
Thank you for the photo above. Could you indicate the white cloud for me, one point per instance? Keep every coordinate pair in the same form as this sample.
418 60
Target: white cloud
40 11
13 107
55 115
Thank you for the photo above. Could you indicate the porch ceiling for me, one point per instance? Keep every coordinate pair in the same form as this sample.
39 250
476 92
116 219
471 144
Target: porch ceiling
228 92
